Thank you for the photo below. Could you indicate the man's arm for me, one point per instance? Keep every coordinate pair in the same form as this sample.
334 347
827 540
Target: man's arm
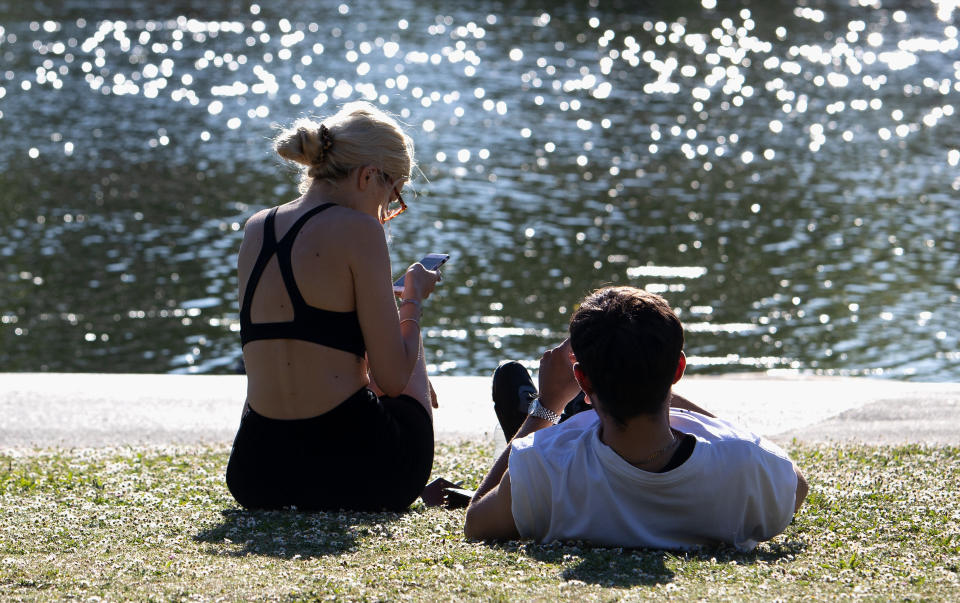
490 514
677 401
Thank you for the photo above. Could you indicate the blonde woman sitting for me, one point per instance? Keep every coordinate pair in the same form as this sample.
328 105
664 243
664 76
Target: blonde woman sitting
319 321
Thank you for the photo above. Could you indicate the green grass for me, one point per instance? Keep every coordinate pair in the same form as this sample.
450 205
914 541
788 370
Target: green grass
158 523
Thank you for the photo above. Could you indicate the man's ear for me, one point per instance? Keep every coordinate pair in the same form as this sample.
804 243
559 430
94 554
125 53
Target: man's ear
681 366
583 381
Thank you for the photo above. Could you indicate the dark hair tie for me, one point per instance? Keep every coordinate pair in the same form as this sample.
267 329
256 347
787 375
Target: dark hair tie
326 141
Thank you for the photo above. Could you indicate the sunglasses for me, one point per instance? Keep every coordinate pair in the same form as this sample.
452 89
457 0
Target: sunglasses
396 207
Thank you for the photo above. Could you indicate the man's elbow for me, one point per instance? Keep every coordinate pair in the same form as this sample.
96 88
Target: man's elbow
471 525
802 488
480 525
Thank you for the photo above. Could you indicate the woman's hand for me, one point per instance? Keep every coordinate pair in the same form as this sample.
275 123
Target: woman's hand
418 283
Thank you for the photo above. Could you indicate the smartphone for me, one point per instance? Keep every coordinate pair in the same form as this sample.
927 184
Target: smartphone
431 261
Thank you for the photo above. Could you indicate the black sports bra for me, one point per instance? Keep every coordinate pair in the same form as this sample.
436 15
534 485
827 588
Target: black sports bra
338 330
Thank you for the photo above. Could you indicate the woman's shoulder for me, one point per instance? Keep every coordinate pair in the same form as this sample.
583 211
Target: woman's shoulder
354 218
257 219
351 235
349 226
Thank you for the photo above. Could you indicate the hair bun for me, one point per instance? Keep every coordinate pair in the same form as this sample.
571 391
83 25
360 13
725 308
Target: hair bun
326 141
357 135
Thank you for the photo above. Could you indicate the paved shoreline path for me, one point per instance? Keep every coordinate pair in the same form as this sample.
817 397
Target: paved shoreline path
90 410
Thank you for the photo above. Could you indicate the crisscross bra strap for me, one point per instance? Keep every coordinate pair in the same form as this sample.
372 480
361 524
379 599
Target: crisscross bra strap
339 330
267 250
284 250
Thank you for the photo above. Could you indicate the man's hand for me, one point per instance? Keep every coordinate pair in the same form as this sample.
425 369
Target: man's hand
557 383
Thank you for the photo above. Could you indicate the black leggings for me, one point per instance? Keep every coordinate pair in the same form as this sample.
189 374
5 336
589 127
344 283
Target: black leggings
367 454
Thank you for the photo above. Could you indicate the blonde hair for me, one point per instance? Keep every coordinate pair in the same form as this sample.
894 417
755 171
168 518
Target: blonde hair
358 134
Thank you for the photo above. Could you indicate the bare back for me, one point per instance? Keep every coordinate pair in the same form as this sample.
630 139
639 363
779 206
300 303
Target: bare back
291 378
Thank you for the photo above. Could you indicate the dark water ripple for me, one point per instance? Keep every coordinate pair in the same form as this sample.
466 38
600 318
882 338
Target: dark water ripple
786 175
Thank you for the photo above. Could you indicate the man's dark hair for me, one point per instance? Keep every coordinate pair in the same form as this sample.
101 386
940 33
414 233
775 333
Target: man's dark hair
628 343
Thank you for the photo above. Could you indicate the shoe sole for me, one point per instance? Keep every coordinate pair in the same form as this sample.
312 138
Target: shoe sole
512 391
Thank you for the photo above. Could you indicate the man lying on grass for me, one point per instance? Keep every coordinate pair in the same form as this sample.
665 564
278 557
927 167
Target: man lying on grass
645 467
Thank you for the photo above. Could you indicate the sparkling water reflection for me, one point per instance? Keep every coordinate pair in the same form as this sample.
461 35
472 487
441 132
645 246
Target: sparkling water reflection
785 173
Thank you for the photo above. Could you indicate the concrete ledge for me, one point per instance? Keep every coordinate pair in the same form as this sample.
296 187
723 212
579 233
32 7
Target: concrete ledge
833 409
83 410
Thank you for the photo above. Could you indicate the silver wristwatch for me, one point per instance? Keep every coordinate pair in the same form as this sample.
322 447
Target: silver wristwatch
540 411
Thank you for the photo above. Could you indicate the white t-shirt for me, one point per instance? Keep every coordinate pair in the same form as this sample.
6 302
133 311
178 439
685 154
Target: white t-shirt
735 487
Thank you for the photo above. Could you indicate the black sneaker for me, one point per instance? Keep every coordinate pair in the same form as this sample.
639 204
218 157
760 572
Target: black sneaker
513 390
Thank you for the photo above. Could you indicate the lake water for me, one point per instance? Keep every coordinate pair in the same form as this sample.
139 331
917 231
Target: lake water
785 173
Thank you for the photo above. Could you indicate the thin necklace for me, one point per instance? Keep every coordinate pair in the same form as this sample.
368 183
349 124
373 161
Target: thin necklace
656 454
